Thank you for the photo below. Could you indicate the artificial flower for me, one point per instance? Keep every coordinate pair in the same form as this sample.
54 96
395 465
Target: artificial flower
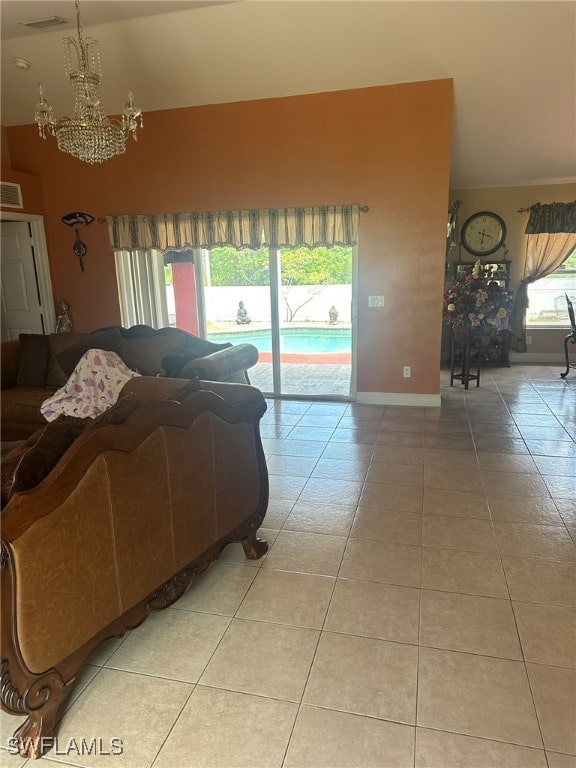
476 302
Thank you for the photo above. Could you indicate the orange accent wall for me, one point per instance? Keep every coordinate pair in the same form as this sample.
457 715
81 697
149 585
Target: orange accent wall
4 149
387 147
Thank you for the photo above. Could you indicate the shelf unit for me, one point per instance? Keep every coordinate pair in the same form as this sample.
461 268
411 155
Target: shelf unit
500 270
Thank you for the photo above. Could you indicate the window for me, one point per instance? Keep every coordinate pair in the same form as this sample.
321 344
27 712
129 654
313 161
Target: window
141 288
547 306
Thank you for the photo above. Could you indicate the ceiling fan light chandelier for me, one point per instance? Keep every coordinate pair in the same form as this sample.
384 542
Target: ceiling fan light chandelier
90 135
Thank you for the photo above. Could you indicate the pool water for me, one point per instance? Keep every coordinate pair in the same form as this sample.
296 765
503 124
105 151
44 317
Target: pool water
304 341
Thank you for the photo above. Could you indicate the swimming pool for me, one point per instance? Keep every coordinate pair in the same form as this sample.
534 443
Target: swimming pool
299 341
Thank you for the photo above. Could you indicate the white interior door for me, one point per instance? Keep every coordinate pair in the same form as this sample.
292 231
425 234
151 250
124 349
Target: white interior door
22 310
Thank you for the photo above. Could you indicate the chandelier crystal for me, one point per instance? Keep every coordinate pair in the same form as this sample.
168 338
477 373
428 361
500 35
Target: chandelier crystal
90 135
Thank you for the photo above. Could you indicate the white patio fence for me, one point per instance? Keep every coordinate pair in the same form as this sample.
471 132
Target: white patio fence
314 302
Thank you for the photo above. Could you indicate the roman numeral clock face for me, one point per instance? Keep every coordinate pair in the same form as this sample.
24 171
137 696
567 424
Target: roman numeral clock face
483 233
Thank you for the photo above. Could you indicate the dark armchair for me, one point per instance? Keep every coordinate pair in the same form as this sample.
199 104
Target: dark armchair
570 338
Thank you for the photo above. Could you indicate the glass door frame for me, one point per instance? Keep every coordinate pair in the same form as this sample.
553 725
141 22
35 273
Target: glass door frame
354 323
199 273
274 272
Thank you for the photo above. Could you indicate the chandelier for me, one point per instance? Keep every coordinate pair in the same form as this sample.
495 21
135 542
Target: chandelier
89 134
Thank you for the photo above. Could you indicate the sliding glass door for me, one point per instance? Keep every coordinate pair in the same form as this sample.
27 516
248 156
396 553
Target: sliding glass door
236 304
315 320
294 305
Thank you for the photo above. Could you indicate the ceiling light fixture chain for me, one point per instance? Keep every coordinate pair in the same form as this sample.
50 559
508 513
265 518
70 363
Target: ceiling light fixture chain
89 134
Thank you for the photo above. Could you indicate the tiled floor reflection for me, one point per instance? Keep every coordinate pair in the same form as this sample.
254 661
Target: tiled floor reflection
416 609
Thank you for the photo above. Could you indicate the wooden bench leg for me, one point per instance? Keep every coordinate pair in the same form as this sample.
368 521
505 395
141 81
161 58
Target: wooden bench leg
254 548
41 701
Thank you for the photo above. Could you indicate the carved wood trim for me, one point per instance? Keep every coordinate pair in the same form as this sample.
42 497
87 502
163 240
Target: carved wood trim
10 696
34 697
172 589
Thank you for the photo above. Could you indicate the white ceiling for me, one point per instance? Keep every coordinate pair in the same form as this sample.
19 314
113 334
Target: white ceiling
513 64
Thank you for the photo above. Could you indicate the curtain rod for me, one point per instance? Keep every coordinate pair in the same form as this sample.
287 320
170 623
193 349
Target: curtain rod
534 205
361 208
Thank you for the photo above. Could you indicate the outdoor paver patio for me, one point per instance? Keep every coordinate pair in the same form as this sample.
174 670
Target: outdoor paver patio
304 379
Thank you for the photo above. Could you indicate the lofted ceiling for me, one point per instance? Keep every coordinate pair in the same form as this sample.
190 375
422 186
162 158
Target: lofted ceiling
513 64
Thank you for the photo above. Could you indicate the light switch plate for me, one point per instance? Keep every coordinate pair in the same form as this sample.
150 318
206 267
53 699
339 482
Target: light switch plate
375 301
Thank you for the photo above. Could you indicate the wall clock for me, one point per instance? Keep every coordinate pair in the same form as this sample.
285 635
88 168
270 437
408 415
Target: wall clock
483 233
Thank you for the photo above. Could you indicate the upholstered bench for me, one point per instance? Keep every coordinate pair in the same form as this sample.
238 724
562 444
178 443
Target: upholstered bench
132 511
36 365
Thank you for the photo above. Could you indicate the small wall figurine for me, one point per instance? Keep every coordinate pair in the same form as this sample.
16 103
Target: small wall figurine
242 315
64 322
333 315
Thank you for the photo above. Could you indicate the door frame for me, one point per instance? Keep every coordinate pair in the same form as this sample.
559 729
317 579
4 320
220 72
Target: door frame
354 322
42 264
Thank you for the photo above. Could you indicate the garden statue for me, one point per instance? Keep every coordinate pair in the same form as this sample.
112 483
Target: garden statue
63 318
333 314
242 315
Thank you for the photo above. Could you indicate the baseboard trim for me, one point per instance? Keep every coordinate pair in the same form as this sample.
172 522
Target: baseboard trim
543 358
398 398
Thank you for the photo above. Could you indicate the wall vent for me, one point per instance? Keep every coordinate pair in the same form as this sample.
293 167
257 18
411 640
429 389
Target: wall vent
48 21
10 195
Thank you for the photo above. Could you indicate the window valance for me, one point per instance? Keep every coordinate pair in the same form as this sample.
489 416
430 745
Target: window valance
178 231
284 227
311 227
551 218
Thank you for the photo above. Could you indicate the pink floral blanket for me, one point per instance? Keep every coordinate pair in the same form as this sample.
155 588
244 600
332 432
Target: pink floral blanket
93 386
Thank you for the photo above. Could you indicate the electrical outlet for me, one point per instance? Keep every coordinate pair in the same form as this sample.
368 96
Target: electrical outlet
528 339
375 301
407 372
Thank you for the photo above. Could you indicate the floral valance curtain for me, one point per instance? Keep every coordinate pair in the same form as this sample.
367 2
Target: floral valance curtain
551 231
283 227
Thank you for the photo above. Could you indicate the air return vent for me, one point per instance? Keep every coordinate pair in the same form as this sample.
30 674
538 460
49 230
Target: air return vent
11 195
48 21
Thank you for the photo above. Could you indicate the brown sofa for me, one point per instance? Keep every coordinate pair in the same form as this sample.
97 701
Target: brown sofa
132 512
36 365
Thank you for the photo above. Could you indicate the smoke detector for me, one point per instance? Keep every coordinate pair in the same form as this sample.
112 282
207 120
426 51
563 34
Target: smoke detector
22 63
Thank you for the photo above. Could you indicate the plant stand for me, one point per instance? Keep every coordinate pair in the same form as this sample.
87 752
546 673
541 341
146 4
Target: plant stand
467 345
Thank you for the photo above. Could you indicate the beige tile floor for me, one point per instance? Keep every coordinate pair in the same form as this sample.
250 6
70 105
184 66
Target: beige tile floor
416 608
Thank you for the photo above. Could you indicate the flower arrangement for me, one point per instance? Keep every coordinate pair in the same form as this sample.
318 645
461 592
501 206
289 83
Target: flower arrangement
476 303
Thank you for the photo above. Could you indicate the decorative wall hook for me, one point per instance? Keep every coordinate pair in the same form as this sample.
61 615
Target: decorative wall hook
80 249
72 219
77 218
